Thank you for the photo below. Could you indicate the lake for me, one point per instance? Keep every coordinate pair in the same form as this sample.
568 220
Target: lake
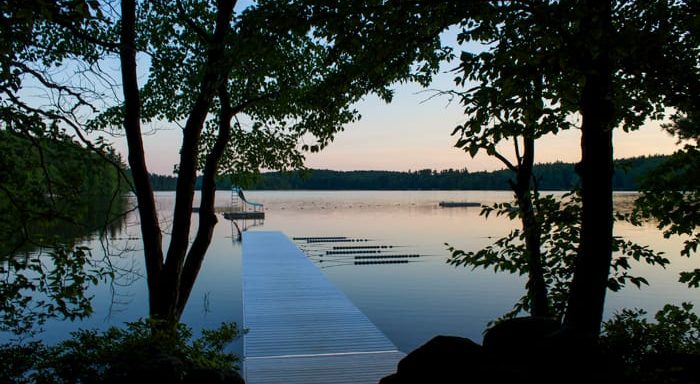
409 302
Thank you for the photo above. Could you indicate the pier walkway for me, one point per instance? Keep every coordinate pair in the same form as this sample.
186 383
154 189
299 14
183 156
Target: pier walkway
302 329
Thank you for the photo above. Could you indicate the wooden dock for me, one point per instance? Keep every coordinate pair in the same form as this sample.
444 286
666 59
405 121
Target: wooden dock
302 329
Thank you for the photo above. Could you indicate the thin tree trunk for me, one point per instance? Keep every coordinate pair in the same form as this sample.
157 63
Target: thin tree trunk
587 297
207 218
537 288
150 229
214 75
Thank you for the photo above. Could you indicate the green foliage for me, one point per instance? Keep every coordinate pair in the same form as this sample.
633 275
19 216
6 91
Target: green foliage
670 194
18 360
51 188
513 96
560 222
53 193
48 284
90 356
628 335
51 46
543 65
293 71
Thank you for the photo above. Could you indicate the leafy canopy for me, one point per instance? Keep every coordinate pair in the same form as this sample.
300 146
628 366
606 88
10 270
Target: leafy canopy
292 70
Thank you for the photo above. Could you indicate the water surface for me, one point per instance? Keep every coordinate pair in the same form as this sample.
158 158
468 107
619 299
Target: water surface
409 302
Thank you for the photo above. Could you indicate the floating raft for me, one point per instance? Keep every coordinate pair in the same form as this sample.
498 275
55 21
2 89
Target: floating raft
450 204
244 215
302 329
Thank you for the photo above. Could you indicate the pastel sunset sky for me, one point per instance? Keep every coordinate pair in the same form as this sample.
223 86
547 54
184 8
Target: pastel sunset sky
413 133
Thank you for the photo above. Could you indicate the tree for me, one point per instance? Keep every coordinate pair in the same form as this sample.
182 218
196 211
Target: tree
291 69
670 194
251 88
613 64
54 188
635 59
510 102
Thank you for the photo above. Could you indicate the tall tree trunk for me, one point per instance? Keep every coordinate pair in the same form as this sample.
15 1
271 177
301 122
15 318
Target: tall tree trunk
587 297
215 74
537 288
150 228
207 218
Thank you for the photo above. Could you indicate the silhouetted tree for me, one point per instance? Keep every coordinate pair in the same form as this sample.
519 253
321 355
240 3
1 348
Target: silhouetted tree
292 70
611 64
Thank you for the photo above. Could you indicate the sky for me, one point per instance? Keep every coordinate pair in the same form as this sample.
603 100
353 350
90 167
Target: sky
413 132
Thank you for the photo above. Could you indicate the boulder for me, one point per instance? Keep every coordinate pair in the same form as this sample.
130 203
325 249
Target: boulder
521 339
520 330
527 350
443 359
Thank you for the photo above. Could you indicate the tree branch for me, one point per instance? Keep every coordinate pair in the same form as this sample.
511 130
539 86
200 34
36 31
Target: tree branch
78 131
67 22
504 160
52 85
517 151
201 32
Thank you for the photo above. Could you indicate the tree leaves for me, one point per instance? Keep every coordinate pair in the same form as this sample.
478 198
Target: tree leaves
670 194
639 343
559 219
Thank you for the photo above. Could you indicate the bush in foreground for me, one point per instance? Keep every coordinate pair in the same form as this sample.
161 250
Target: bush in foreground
116 355
664 351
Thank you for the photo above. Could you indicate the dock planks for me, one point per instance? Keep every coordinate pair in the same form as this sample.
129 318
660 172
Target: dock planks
302 329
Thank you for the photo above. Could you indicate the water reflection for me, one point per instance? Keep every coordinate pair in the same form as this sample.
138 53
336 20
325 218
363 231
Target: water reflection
238 226
48 264
410 302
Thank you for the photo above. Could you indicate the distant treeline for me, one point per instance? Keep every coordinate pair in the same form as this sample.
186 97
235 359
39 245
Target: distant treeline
550 176
53 190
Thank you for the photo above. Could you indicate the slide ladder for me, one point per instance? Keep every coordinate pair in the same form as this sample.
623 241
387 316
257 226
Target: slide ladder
240 204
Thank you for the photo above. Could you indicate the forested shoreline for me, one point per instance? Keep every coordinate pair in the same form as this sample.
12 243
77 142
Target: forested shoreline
550 176
54 190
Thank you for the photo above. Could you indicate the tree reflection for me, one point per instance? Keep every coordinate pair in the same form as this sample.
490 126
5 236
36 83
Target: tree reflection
56 198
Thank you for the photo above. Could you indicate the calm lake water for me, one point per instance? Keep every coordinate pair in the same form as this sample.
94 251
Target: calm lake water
409 302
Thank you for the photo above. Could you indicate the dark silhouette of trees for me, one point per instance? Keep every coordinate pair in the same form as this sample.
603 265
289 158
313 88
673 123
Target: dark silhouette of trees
292 70
556 176
56 188
610 64
634 59
511 101
250 88
670 193
257 87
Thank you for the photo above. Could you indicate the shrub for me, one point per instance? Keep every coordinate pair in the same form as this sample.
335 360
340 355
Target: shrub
90 356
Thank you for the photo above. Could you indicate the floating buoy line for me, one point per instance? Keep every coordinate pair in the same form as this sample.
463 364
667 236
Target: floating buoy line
351 252
324 251
320 238
363 247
